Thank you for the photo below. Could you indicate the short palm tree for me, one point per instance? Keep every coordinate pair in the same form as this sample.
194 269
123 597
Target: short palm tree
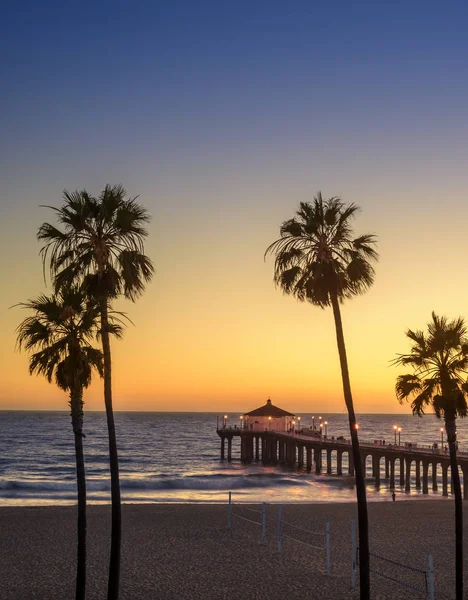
59 333
100 245
439 363
318 259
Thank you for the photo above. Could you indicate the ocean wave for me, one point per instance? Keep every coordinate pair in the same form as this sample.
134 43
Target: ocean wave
215 482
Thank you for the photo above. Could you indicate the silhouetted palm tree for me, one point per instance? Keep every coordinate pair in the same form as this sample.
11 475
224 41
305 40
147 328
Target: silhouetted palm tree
318 260
60 332
439 360
101 245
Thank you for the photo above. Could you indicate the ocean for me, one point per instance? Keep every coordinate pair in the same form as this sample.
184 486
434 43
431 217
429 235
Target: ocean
175 457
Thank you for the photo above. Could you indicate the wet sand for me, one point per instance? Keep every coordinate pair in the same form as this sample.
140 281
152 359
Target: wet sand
185 552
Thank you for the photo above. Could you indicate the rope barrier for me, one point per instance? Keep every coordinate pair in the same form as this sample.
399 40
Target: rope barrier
262 514
304 543
258 512
245 519
398 564
398 581
304 530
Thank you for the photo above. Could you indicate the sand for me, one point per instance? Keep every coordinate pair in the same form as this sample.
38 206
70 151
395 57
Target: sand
186 552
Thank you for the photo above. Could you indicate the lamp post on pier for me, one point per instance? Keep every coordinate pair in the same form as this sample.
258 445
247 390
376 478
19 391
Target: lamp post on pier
326 428
294 426
399 436
313 423
395 427
442 437
269 423
321 429
298 423
241 421
225 421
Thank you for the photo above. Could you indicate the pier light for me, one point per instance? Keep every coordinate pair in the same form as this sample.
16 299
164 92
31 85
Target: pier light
225 420
269 423
399 436
298 422
313 423
294 425
395 427
442 437
321 428
356 426
326 428
241 420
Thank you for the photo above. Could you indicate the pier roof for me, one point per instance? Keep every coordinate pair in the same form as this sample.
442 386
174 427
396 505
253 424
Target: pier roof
269 410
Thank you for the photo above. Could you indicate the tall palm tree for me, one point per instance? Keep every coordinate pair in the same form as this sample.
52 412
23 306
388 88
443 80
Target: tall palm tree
59 333
439 360
318 259
100 245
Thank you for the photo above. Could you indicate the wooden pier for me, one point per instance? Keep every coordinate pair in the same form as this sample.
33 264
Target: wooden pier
314 452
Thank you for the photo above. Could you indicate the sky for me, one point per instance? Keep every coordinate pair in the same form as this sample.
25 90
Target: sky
222 117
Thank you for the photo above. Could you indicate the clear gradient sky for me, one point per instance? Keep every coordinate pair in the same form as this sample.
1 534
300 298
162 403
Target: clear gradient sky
223 116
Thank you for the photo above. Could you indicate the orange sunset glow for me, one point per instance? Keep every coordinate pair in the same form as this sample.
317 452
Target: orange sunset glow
211 332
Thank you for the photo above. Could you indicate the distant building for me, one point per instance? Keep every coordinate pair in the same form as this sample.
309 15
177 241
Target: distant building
268 418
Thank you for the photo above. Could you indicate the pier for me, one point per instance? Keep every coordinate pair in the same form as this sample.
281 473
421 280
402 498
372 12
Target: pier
309 451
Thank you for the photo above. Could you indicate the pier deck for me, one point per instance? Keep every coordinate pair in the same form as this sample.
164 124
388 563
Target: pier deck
308 451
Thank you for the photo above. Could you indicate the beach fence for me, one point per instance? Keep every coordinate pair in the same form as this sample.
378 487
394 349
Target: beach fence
249 515
315 540
420 581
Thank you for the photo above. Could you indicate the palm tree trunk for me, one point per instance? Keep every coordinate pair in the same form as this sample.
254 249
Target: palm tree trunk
450 428
363 523
77 423
116 535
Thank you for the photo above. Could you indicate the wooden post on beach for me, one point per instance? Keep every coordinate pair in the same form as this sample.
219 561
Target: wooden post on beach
339 462
229 449
257 449
222 448
387 467
229 511
430 582
434 476
327 548
353 554
392 473
418 474
280 513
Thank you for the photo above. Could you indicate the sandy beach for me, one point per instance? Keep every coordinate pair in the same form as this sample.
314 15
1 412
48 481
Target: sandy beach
185 551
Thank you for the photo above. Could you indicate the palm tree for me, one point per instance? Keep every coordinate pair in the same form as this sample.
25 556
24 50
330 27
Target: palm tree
59 333
318 260
101 246
439 360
